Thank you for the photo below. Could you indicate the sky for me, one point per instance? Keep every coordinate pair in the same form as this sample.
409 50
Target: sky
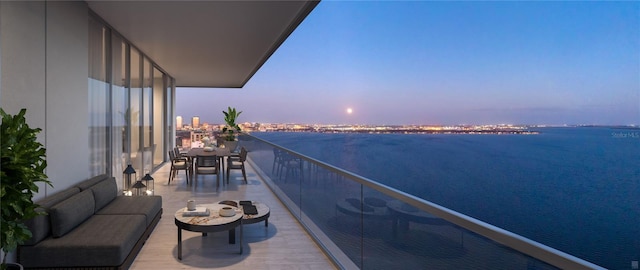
444 63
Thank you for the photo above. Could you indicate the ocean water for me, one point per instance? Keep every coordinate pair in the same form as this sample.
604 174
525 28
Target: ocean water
574 189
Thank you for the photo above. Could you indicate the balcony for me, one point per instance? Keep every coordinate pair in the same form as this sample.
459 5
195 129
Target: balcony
358 223
282 245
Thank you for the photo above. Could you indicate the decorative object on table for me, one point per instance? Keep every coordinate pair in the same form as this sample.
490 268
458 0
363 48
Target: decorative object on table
230 203
146 179
191 205
227 212
207 144
198 211
23 165
248 208
126 179
231 128
206 141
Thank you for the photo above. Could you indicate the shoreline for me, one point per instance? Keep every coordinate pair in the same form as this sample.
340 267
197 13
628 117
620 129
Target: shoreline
411 131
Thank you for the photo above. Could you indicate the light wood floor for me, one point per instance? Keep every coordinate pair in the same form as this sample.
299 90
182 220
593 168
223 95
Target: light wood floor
282 245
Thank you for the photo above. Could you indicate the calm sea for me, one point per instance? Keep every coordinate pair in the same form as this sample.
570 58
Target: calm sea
574 189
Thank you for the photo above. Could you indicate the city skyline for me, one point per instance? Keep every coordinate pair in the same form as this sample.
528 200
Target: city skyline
445 63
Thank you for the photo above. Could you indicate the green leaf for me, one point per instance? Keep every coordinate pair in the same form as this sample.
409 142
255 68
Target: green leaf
23 164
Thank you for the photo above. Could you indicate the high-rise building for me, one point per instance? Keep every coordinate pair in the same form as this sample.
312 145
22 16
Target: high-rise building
179 122
195 122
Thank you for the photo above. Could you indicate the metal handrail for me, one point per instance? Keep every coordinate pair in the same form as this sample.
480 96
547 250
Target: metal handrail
524 245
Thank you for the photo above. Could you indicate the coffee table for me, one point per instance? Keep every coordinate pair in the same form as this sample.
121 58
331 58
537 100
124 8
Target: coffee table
212 223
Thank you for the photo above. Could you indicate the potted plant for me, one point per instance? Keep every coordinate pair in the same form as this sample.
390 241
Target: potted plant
230 129
21 168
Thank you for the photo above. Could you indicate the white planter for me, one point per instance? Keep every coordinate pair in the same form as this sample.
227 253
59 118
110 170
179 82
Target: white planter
14 266
231 145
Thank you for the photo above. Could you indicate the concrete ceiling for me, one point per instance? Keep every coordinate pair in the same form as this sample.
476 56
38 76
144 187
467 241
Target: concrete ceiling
205 43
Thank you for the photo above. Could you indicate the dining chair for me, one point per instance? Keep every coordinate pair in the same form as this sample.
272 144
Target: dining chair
219 141
207 165
237 163
179 155
292 165
178 164
277 161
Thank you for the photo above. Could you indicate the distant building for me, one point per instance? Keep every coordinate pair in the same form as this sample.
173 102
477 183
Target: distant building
179 122
196 137
195 122
183 138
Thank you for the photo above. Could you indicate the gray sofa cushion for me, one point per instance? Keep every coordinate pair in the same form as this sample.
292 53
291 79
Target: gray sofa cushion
100 241
149 206
86 184
104 192
40 226
71 212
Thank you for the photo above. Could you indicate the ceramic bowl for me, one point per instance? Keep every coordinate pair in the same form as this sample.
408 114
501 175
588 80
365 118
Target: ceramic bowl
227 212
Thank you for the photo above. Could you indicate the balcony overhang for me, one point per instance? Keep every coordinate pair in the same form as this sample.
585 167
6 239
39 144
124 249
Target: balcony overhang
206 43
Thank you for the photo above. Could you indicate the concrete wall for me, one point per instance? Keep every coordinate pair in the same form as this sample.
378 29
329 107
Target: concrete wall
44 64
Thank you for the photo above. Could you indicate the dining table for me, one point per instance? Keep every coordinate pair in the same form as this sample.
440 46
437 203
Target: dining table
212 151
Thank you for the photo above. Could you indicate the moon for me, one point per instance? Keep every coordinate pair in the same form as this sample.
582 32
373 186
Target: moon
349 111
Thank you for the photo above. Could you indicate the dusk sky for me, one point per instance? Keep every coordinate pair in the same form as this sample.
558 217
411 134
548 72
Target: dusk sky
424 62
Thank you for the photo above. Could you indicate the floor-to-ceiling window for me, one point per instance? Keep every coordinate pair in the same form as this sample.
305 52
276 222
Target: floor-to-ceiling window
147 116
120 107
130 100
169 115
98 88
135 108
158 116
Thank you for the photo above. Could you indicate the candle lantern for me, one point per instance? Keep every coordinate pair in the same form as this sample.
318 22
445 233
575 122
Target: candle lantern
138 186
126 178
148 178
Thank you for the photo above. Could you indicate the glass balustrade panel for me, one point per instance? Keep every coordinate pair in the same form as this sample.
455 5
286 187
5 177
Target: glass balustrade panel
365 228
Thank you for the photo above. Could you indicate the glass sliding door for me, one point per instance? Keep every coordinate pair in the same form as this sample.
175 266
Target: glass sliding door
148 145
133 113
130 106
158 117
98 87
169 112
120 108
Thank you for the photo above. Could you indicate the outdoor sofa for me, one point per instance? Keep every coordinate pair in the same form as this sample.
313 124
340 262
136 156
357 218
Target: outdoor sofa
89 226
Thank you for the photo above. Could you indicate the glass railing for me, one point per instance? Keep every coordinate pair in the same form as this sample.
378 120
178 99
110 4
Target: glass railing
362 224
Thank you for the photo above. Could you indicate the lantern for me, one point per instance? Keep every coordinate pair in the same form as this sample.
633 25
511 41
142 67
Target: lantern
138 186
126 179
148 178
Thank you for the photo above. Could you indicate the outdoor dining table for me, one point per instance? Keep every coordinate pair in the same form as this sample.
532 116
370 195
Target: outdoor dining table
220 152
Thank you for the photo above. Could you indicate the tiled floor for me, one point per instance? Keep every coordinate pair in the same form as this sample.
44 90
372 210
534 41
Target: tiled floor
282 245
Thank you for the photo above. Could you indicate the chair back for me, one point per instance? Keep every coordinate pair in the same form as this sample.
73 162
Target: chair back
243 154
207 161
172 156
219 141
